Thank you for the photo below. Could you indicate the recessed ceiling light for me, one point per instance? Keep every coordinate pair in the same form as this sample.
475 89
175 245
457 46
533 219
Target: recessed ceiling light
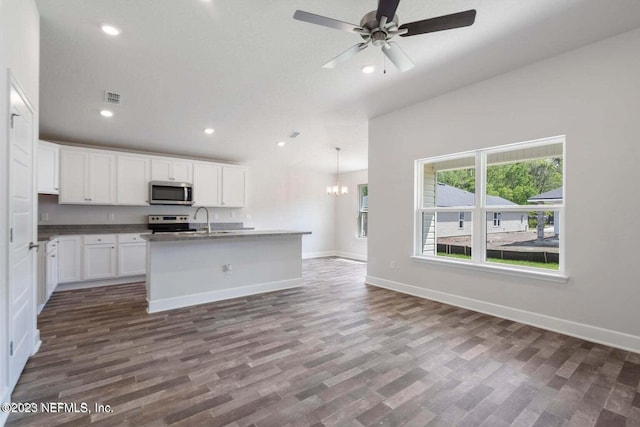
281 143
368 69
106 113
209 131
110 29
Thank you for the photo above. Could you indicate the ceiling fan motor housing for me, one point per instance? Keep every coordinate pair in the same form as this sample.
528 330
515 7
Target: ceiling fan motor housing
378 36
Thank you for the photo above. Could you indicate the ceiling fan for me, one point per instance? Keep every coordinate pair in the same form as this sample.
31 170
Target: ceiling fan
378 27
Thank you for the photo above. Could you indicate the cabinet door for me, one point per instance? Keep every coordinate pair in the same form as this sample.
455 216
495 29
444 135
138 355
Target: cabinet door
48 166
132 259
233 187
206 184
182 171
102 178
51 281
73 175
160 169
99 261
134 174
69 259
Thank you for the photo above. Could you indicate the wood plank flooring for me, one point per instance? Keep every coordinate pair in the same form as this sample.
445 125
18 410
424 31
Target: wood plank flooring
332 353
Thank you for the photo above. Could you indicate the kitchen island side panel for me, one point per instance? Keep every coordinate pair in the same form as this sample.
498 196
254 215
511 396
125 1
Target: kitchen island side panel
182 273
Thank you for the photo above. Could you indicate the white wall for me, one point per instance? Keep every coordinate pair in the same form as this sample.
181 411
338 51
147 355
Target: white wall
590 95
278 198
19 51
348 244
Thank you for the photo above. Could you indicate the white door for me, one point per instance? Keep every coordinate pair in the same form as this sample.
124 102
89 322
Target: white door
22 256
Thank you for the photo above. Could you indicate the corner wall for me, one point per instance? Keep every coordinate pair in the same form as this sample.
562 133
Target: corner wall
591 95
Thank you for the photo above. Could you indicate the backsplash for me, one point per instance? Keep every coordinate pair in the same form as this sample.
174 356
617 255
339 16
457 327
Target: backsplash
52 213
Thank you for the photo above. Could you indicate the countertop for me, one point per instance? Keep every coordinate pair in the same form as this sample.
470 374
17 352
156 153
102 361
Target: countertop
192 236
46 232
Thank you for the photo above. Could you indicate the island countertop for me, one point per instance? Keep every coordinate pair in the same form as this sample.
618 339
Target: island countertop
199 235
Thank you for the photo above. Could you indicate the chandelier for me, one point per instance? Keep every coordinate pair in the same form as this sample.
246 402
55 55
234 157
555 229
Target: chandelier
337 190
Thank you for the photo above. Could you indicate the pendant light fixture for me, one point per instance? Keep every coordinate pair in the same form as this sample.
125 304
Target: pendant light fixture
337 190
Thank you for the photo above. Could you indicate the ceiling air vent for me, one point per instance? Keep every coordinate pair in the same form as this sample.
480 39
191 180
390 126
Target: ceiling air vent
112 97
294 134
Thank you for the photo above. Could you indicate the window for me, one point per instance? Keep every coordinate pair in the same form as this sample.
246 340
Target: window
517 189
363 209
497 216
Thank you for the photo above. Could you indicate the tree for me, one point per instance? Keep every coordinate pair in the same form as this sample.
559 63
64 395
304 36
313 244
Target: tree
516 182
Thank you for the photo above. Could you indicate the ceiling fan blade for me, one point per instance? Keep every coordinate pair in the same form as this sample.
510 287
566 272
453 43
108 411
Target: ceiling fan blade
397 56
346 55
312 18
387 8
440 23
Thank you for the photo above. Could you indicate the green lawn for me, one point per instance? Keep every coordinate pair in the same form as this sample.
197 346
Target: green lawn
548 266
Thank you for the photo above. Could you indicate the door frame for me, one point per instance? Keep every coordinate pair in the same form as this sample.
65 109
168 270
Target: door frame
14 85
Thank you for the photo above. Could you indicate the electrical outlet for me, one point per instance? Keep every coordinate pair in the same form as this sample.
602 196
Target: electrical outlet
233 214
44 217
247 216
111 216
227 269
392 264
216 216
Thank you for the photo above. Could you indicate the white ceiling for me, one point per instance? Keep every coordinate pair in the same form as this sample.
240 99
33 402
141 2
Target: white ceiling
246 68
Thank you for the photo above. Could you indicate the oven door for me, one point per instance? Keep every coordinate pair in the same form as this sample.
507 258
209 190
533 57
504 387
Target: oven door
170 193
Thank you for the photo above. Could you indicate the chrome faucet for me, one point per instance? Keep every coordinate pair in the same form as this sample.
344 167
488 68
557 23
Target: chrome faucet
195 216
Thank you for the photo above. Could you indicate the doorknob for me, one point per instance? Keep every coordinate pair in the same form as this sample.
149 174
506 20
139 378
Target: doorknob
33 245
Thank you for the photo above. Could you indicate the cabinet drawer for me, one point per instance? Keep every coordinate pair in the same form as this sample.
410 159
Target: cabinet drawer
130 238
99 239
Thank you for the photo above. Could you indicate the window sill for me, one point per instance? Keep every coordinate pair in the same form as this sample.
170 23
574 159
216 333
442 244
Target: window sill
498 269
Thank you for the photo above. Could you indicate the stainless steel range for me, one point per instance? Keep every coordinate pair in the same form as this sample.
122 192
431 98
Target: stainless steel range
169 223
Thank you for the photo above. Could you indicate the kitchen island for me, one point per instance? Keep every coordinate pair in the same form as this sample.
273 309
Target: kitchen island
189 268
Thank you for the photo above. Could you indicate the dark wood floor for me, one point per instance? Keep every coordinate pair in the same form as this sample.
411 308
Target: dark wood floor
333 353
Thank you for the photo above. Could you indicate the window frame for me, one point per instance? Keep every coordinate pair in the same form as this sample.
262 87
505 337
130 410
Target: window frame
363 213
481 209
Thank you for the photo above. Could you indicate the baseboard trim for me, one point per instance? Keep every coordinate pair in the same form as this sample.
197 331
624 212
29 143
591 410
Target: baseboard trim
592 333
98 283
351 255
309 255
213 296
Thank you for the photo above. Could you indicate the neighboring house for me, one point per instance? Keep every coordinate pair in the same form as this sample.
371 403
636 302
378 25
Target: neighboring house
550 198
459 223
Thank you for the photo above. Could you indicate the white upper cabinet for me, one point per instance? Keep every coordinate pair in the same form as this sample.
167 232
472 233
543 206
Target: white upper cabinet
134 174
48 167
233 186
207 184
167 169
105 177
87 176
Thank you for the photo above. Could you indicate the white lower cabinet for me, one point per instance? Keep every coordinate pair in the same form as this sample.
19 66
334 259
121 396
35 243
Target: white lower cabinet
51 267
132 255
99 256
69 259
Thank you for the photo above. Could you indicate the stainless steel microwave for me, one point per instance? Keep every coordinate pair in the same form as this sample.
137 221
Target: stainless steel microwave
170 193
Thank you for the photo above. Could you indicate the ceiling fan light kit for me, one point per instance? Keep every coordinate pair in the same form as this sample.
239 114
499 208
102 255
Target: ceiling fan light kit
378 27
